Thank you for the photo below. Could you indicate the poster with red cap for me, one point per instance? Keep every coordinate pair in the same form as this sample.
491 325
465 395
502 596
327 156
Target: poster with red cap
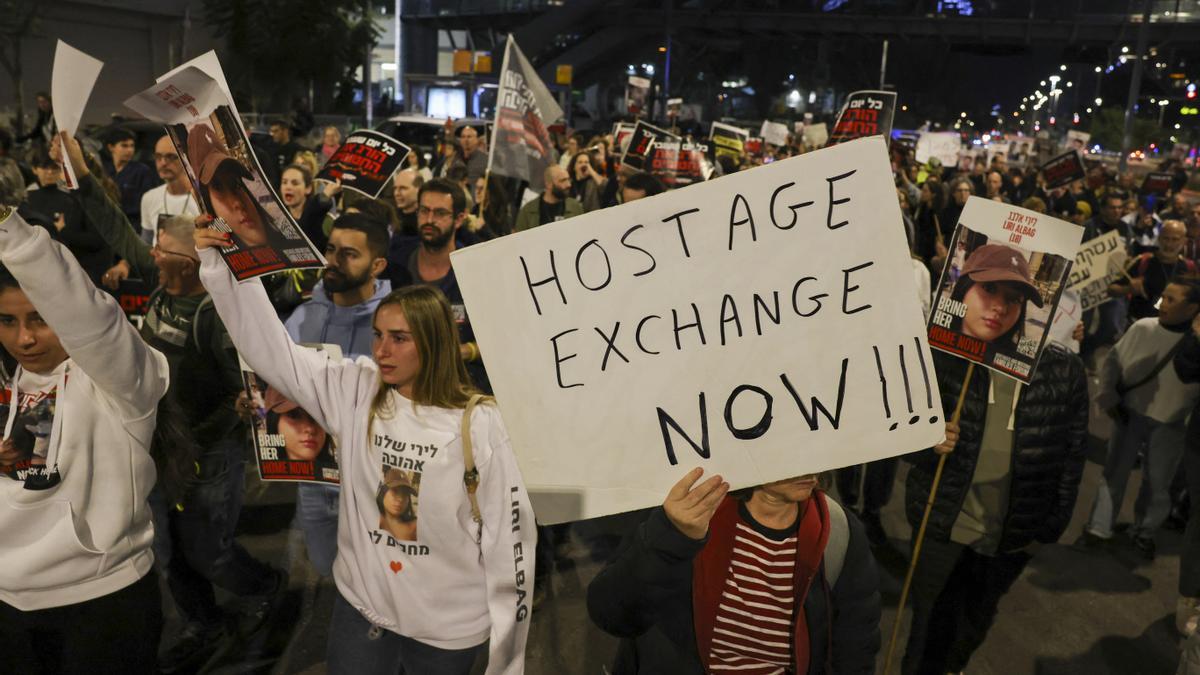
288 444
224 173
1005 273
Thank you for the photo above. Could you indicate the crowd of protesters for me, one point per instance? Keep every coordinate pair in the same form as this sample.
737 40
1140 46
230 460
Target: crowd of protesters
779 578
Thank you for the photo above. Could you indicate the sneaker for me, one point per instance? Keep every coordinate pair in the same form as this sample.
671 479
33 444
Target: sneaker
874 529
196 643
1187 611
1145 545
1090 542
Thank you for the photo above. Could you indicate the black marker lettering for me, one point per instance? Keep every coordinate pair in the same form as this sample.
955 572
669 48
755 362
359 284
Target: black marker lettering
793 208
532 284
558 360
847 289
834 202
653 262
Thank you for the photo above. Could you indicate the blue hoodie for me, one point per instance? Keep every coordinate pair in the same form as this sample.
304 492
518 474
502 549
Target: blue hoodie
321 321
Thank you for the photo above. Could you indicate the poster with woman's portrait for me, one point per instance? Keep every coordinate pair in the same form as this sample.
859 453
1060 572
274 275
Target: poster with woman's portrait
288 443
225 175
996 299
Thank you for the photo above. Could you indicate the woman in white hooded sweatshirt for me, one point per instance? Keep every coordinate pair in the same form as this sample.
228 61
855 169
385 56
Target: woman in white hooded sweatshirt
429 600
77 592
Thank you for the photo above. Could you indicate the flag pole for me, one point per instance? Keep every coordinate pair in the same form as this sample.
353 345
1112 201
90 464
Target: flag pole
916 554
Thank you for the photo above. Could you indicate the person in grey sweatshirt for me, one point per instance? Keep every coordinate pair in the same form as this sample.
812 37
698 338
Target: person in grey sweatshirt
340 312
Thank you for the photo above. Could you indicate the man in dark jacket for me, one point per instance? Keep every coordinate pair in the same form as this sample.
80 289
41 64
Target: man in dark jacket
673 591
1009 485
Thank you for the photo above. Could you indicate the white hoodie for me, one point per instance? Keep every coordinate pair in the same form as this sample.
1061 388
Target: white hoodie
442 588
88 535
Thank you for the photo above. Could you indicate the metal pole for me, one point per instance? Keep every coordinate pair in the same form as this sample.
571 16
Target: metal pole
667 61
1135 85
398 55
883 66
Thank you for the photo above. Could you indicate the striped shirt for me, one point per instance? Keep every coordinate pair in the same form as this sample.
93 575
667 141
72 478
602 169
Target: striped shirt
752 634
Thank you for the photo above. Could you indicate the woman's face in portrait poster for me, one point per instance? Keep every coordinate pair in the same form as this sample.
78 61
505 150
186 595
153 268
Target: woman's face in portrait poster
993 308
303 438
232 202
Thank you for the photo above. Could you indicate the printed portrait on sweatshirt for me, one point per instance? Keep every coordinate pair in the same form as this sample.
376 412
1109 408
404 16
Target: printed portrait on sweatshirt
397 502
29 441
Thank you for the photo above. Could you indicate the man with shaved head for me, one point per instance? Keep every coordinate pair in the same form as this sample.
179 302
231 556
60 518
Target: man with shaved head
1150 271
554 204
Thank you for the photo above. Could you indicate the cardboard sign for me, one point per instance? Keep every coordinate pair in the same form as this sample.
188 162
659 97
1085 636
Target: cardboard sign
641 144
1000 286
71 82
1077 140
224 172
728 140
1157 183
679 164
637 93
1098 263
365 162
1064 170
941 144
621 132
288 444
866 113
774 133
763 326
816 135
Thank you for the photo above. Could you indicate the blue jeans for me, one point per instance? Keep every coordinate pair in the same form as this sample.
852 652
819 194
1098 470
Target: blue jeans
356 647
194 548
1164 447
317 518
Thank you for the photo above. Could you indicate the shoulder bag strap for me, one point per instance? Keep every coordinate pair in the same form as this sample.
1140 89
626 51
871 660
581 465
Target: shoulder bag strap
471 474
1122 390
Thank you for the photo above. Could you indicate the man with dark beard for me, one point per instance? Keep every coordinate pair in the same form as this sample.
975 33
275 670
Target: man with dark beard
340 312
555 203
425 259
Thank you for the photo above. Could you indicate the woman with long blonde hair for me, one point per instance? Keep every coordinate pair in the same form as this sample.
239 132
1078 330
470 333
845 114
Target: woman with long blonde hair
461 574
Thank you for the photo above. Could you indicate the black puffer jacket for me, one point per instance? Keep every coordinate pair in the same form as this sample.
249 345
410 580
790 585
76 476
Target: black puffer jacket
1187 367
1049 445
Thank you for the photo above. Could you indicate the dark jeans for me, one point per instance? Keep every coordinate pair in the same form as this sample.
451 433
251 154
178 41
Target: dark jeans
116 633
194 548
356 647
876 485
955 593
1189 559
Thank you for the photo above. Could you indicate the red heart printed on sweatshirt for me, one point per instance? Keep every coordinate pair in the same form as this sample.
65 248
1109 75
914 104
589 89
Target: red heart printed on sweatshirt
396 567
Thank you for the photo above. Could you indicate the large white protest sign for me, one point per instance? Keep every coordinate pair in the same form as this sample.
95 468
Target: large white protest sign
763 325
775 133
941 144
71 84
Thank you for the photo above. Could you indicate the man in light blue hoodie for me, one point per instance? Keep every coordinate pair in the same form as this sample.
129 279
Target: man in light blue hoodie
340 312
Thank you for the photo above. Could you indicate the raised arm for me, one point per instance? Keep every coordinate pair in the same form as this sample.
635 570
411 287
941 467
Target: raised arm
326 389
111 222
88 322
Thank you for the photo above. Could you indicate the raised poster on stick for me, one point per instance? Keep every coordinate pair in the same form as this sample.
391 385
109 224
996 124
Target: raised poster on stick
728 140
1099 262
765 325
215 152
1063 170
1000 286
365 162
1157 183
678 164
288 444
641 145
866 113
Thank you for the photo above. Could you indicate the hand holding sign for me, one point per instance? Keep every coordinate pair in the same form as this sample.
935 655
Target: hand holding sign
691 508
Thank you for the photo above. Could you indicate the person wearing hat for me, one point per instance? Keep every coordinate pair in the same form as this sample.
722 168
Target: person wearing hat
397 511
994 285
1011 475
223 188
303 439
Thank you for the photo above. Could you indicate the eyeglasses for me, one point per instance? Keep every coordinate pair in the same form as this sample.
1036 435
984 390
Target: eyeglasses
160 157
439 214
156 249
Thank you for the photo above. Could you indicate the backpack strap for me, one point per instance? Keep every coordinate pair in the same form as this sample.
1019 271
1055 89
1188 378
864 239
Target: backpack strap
838 542
471 474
